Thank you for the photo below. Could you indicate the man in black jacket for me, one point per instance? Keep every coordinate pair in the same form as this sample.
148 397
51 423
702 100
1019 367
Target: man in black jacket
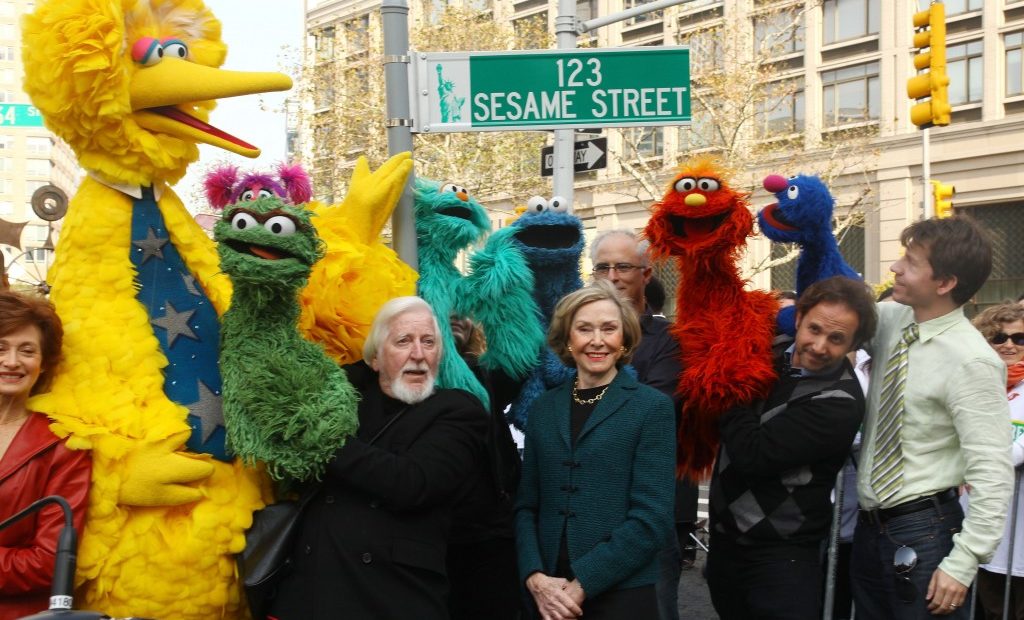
770 499
372 541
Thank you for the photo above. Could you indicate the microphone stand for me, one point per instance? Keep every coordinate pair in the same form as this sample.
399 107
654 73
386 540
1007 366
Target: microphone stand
64 565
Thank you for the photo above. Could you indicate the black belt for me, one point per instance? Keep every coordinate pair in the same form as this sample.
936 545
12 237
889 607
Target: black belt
881 515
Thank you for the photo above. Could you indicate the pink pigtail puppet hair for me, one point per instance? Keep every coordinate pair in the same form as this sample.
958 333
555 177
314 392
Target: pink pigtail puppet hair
296 181
218 184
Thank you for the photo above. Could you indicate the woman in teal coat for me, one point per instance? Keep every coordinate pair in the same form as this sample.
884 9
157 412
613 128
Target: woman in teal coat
596 495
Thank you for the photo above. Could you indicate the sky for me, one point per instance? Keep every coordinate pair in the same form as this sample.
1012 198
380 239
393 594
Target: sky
254 31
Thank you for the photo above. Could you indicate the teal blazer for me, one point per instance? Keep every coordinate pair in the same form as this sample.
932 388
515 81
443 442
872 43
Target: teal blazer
614 492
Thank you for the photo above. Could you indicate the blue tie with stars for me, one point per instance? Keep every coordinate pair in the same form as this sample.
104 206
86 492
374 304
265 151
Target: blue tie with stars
185 323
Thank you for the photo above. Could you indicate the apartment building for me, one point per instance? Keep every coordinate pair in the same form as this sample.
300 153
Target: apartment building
30 157
840 69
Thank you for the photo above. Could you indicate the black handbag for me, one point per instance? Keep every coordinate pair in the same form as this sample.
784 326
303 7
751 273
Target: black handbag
266 558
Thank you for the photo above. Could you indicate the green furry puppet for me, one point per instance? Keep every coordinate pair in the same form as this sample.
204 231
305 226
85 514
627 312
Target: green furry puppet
286 404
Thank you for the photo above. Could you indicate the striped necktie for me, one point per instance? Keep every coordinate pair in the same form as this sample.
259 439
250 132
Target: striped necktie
887 472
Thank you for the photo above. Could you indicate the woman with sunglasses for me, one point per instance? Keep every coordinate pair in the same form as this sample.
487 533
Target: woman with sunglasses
1003 327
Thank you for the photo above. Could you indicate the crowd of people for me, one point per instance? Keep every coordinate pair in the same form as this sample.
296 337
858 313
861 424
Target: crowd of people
428 512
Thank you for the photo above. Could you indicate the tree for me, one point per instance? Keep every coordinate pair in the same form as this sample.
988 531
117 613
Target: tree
343 89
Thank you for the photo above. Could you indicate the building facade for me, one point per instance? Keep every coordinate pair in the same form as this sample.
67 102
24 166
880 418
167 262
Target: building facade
30 157
813 86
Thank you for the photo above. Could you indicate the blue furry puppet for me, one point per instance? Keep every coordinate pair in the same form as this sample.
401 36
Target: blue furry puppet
497 293
552 241
803 215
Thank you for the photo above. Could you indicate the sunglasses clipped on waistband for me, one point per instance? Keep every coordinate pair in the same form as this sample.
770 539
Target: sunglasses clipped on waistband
904 561
1001 337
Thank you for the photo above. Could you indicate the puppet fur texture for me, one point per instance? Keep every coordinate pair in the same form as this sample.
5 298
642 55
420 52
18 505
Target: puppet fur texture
286 404
163 523
551 239
725 332
803 215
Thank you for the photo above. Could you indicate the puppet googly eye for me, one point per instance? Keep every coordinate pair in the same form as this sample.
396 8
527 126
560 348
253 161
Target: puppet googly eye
792 192
243 221
280 225
175 48
450 187
558 204
461 190
266 193
706 184
247 195
537 204
147 51
686 184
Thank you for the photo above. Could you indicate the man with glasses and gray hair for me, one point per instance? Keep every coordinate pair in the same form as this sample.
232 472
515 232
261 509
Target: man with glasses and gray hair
617 256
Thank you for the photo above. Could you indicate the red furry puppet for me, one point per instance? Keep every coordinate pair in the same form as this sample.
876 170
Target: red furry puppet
725 332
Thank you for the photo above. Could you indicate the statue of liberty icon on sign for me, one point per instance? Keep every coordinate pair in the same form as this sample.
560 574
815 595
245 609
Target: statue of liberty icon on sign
451 106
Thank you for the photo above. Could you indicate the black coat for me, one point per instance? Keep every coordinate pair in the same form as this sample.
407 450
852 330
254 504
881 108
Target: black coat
372 542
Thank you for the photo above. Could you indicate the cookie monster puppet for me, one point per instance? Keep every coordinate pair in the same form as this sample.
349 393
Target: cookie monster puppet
551 238
496 294
803 215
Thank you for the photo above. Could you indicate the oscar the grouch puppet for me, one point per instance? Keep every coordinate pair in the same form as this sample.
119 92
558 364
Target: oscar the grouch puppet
286 404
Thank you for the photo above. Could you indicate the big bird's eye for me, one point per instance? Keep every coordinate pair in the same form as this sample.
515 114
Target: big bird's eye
537 204
280 225
686 184
558 204
707 184
449 187
243 221
175 48
147 51
792 192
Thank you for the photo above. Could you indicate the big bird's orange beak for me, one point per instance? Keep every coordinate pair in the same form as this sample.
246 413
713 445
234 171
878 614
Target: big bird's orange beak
158 91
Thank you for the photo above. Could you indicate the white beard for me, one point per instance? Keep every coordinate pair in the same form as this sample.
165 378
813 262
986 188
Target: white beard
412 395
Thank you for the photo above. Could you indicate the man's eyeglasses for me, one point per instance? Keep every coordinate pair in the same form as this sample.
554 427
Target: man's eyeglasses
1001 337
903 562
602 269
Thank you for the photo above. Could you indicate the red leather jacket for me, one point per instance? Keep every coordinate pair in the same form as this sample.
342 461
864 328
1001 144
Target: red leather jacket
36 465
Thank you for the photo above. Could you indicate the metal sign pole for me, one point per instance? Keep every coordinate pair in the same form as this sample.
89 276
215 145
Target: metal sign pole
565 144
926 171
395 23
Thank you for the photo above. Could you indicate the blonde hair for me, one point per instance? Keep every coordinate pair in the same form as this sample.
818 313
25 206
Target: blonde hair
568 306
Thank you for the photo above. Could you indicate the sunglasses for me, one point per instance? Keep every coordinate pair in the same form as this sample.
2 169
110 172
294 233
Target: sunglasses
904 561
1001 337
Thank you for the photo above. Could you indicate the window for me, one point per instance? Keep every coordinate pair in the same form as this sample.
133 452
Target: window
701 132
324 44
849 19
643 17
1014 43
779 33
706 53
38 167
6 96
6 164
36 145
965 70
850 94
586 9
7 52
6 143
35 255
646 141
32 186
531 31
358 34
782 112
954 7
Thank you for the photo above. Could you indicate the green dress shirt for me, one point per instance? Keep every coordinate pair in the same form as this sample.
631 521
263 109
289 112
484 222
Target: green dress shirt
956 427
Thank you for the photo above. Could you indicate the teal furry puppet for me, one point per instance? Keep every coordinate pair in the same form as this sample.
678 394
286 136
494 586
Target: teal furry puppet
286 404
496 293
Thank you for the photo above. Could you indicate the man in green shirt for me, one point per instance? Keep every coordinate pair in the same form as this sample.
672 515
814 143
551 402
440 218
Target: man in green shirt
936 418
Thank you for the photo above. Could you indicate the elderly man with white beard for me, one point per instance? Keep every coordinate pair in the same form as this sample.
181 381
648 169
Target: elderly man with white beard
372 541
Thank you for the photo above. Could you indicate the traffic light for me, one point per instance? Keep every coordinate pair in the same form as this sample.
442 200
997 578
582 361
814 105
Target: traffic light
930 42
942 199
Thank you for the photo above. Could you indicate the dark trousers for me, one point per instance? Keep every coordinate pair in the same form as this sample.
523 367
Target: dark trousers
746 584
669 572
484 580
930 533
991 589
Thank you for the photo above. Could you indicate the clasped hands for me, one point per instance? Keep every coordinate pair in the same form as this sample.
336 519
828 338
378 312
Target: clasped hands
556 598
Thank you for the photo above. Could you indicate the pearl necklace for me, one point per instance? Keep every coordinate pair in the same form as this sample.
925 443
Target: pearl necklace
587 401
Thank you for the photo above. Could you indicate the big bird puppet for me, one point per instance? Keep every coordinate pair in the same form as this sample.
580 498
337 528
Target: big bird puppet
129 84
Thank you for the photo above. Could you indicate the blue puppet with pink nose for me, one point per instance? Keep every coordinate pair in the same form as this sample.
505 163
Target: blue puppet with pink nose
803 215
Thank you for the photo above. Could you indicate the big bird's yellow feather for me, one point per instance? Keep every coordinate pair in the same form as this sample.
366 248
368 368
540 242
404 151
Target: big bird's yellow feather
164 523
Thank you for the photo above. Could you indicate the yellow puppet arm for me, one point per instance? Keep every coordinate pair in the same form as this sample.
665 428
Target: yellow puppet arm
372 196
159 475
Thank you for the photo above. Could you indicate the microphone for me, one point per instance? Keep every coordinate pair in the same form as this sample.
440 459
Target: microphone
64 565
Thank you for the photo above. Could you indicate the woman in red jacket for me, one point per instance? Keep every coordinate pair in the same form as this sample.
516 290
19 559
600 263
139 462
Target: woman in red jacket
34 463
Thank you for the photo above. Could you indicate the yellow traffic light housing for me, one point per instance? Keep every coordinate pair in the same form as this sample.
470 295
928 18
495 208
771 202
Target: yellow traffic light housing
930 41
942 199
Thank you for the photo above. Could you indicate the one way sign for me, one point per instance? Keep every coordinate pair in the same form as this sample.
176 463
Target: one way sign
589 155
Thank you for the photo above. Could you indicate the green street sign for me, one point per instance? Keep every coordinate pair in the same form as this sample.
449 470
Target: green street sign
503 91
20 115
